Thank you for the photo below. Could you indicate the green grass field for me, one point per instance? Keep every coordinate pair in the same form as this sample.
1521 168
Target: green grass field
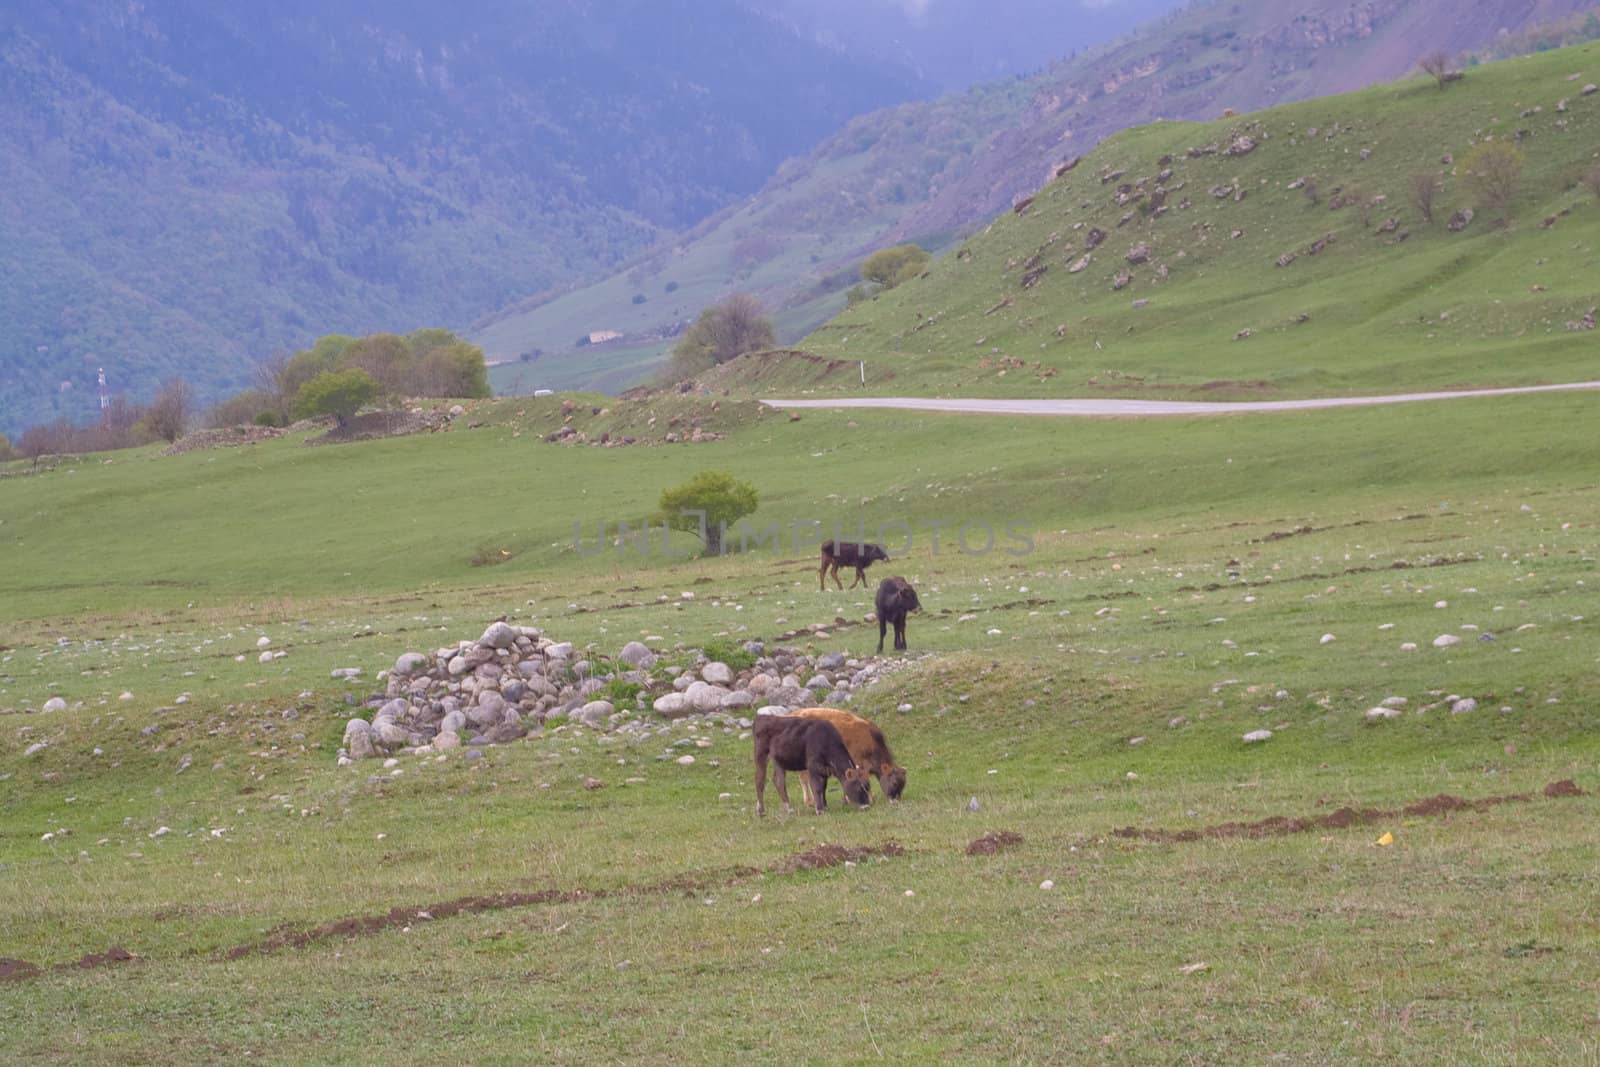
1181 570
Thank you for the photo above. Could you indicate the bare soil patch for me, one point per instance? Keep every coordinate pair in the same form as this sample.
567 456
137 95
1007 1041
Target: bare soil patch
992 842
1344 818
834 855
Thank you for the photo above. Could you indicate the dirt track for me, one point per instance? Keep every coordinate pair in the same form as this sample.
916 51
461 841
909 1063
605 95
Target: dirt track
1113 406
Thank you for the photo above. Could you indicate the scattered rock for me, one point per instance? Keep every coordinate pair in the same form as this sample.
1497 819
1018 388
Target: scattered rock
1255 736
55 704
1446 640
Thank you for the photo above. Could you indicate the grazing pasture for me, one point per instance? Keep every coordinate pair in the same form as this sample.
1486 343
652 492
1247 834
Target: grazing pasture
1088 699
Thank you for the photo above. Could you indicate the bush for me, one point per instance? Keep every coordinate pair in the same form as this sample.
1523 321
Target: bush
339 393
1493 171
724 332
168 414
890 267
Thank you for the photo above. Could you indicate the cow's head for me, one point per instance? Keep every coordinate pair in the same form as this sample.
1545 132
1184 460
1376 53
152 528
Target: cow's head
856 789
872 553
894 782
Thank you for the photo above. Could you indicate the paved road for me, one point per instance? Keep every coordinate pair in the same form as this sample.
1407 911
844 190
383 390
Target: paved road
1113 406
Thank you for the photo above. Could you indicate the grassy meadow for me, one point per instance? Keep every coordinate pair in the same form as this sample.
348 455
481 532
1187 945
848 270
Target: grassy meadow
1182 577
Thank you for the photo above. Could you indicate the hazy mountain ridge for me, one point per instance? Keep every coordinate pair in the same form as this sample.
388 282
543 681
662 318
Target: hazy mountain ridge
189 187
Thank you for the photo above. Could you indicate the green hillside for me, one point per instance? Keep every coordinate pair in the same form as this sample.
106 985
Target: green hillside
935 170
1220 275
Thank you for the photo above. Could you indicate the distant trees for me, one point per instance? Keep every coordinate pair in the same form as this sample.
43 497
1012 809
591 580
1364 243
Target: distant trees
122 424
7 453
889 267
722 332
706 505
1425 187
427 362
340 393
1493 172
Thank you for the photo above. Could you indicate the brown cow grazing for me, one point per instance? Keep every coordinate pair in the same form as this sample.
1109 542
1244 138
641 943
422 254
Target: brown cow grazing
836 554
867 746
895 600
812 747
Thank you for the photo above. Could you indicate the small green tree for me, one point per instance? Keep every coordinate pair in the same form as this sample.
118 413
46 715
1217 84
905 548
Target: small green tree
889 267
1493 171
339 393
724 332
7 453
706 505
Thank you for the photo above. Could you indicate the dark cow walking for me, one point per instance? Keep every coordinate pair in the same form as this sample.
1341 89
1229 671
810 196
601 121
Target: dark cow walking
836 554
895 600
814 748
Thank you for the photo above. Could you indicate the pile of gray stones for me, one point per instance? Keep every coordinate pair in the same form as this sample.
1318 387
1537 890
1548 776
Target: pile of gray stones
513 680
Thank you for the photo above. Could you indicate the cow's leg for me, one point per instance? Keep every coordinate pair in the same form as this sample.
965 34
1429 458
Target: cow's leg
900 634
819 790
861 576
839 585
806 797
761 784
883 628
781 778
822 574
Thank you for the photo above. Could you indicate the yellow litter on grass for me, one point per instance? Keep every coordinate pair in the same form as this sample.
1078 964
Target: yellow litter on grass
1386 839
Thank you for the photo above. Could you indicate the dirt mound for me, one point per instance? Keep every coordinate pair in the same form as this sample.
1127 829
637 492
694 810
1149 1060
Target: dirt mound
992 842
1278 825
225 437
834 855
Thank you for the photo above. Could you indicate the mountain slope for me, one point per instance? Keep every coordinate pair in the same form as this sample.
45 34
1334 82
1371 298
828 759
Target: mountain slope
1278 254
927 171
189 186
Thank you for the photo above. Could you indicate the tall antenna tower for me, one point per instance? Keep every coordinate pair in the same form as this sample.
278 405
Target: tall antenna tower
105 401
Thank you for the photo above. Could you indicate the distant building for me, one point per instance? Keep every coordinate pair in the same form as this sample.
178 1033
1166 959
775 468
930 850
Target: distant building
600 337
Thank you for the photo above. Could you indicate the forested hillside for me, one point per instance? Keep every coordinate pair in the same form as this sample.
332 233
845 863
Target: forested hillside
190 186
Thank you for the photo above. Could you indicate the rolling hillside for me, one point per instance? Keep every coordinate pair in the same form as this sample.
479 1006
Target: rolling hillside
1281 253
929 171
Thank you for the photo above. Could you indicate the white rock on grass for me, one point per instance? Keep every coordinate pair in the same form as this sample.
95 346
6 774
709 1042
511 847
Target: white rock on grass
1257 735
1408 646
1327 639
1382 714
263 642
55 704
1446 640
265 657
1463 706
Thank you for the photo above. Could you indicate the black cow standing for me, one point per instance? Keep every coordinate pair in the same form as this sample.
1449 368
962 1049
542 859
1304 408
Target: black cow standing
848 554
896 599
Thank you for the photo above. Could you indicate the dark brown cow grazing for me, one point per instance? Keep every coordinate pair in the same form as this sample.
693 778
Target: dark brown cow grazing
867 745
836 554
895 600
812 747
